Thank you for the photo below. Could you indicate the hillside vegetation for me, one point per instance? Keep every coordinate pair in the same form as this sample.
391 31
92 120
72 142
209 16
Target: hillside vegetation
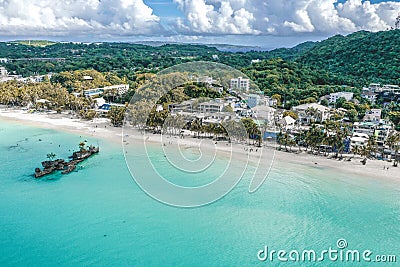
356 60
361 57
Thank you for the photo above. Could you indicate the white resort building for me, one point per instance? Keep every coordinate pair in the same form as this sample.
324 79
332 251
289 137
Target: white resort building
312 112
335 96
263 114
212 106
240 83
371 96
359 140
120 89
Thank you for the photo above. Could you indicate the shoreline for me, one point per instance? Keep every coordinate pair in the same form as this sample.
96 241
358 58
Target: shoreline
102 129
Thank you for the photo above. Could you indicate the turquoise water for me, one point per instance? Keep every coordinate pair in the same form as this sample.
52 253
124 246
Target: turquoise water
98 216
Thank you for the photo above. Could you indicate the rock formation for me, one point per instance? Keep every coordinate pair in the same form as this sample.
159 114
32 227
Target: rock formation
51 166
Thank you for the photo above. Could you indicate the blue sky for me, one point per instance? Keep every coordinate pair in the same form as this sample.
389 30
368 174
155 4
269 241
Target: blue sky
164 8
265 23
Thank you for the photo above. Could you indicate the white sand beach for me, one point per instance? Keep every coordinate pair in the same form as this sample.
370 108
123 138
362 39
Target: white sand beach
102 128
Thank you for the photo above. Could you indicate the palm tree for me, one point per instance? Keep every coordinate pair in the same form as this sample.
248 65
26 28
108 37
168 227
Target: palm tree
82 146
254 132
291 144
314 137
396 153
210 129
284 139
51 156
314 114
279 137
393 142
372 145
196 126
299 138
364 152
356 150
116 115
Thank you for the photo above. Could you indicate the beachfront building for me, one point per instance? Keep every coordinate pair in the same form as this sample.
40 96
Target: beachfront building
185 106
335 96
107 106
374 87
387 88
371 96
212 106
218 117
93 92
38 78
271 102
119 88
379 129
373 115
382 132
367 128
312 112
240 83
264 114
359 140
287 123
218 89
5 76
253 100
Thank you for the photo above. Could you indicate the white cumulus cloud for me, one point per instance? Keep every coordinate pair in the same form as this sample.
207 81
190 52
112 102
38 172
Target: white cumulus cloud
106 19
69 17
285 17
217 17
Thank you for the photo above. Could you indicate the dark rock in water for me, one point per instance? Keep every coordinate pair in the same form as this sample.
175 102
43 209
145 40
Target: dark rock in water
70 168
84 154
44 172
52 163
66 167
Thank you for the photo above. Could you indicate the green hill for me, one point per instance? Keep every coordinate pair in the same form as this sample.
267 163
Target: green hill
357 59
362 56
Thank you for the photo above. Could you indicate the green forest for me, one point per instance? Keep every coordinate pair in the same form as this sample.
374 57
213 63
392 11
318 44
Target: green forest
355 60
